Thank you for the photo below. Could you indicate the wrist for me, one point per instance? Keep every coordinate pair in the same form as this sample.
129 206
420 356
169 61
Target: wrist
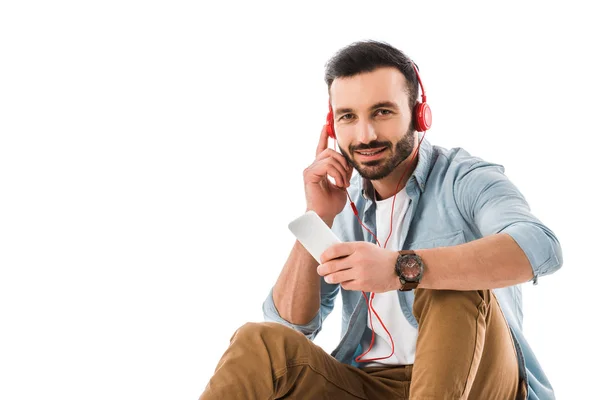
397 284
327 219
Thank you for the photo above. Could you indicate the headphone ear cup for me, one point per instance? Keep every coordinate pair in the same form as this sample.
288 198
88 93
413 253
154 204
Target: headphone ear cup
330 129
422 116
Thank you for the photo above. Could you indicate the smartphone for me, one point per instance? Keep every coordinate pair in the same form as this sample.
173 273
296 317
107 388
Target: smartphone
313 233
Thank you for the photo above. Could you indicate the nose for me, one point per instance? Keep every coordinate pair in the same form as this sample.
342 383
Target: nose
366 132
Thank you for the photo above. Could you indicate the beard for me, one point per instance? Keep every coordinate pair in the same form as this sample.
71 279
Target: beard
379 169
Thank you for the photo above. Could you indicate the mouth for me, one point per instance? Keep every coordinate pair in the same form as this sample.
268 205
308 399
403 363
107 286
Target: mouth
371 154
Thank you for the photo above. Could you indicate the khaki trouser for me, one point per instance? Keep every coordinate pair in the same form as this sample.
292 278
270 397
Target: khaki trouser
464 351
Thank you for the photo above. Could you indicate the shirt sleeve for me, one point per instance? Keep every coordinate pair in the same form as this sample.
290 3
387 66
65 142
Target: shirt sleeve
492 203
313 327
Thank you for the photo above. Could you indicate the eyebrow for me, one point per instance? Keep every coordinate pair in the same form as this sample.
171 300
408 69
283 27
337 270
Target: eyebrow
381 104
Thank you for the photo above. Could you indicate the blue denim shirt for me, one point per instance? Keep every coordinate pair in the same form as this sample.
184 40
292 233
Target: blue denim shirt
454 198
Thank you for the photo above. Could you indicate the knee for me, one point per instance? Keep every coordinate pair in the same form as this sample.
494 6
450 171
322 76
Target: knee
450 300
277 340
253 329
263 332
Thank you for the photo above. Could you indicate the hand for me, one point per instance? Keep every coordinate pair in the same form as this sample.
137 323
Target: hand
323 197
360 266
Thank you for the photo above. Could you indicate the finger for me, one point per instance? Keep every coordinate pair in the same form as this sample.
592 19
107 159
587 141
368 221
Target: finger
323 140
339 277
333 266
349 174
336 251
334 154
330 153
331 167
342 168
338 176
350 285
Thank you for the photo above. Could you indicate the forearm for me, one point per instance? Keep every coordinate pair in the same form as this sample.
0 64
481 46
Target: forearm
296 293
492 262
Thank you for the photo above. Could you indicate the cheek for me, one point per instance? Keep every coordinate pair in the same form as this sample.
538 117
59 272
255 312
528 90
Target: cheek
393 127
343 144
345 134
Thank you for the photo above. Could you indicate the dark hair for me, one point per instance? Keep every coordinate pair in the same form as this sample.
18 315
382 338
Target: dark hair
367 56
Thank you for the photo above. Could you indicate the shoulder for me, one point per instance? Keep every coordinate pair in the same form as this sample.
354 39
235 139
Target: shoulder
455 163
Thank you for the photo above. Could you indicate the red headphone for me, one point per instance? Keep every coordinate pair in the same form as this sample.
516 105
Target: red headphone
421 112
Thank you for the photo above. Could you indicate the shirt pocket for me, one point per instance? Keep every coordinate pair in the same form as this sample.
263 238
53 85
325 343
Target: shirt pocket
444 240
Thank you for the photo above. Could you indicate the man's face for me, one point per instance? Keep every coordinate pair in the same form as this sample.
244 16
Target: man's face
373 121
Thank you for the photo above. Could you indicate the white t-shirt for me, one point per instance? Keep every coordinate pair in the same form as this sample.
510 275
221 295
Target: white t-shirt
387 304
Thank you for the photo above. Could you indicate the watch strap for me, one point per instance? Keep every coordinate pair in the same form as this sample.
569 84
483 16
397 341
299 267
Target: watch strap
402 252
408 286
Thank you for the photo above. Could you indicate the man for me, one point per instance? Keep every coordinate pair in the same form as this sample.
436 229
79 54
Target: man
458 334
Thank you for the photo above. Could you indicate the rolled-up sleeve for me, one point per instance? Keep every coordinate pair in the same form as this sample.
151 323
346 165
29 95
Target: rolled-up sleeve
313 327
493 204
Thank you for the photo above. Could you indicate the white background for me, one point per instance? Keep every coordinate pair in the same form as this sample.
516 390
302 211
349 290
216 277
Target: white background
151 157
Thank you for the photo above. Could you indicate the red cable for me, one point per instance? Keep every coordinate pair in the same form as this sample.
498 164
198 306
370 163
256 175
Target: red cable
355 211
370 304
398 187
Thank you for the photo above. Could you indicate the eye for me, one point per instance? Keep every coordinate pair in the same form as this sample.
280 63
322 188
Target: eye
382 112
346 117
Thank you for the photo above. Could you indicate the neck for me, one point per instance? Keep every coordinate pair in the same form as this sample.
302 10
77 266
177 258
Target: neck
388 186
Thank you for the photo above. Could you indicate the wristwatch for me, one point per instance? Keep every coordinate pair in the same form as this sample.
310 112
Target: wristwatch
409 268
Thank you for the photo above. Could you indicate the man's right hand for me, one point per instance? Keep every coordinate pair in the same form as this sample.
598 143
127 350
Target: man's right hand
323 197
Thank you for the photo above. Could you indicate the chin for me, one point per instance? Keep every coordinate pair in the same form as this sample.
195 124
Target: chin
373 174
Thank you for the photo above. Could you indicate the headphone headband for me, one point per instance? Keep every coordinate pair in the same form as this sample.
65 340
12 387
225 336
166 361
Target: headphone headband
423 97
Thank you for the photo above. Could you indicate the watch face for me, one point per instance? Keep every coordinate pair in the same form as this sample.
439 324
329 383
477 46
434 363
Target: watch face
411 268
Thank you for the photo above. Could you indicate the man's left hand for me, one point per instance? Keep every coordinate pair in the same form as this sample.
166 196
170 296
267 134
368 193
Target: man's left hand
360 266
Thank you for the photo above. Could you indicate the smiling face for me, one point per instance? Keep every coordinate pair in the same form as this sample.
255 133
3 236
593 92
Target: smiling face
373 121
